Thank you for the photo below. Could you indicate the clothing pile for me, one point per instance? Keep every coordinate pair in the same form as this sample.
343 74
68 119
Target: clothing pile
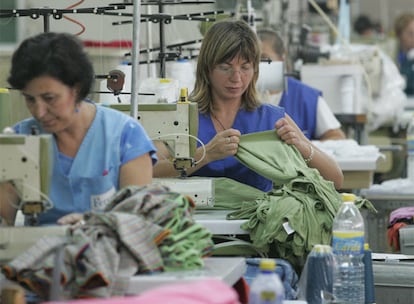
399 218
297 214
143 230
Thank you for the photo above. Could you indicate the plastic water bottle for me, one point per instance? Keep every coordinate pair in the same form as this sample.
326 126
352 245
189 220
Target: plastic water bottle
348 249
410 150
266 287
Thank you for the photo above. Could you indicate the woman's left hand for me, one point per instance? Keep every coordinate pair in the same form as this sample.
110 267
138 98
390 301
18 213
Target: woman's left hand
291 134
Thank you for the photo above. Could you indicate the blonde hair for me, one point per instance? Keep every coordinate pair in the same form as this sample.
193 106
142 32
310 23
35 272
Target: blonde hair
223 42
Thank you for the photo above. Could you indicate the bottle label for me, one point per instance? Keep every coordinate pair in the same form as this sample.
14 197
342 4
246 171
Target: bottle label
267 295
348 242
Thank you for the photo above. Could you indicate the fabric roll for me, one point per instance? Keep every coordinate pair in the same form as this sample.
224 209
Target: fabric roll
319 273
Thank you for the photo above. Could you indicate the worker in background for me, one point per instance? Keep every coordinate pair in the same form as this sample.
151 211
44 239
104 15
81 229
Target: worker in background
225 90
404 31
303 103
97 150
365 28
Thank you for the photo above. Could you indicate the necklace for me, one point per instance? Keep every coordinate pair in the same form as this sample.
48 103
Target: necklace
215 117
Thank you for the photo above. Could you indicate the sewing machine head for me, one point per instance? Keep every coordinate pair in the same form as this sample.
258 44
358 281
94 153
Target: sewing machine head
175 124
26 160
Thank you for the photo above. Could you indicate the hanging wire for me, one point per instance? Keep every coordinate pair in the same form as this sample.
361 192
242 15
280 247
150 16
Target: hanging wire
83 28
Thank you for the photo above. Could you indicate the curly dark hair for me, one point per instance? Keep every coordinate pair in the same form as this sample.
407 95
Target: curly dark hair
58 55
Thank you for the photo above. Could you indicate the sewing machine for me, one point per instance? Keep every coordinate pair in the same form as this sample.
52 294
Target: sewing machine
176 125
26 160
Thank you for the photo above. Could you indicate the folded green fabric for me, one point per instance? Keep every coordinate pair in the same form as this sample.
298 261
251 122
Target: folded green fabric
228 193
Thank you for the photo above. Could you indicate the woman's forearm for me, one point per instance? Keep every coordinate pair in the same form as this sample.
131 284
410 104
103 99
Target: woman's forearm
327 166
8 202
165 167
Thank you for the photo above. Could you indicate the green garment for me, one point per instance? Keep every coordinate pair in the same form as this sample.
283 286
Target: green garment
297 214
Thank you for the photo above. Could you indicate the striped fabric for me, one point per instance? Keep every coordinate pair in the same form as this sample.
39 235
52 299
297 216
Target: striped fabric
145 229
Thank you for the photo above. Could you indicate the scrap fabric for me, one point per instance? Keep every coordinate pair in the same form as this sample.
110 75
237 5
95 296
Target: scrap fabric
143 230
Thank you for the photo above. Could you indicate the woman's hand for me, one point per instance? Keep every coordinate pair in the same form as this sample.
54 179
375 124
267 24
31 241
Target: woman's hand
291 134
70 219
224 144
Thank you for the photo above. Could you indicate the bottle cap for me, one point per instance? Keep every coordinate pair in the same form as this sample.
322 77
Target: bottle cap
348 197
366 246
183 95
267 264
165 80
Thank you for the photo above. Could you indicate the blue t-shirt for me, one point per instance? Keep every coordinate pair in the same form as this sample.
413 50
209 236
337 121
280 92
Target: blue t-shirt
261 119
301 103
88 181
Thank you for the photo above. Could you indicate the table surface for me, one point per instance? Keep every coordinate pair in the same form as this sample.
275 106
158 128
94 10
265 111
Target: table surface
216 222
227 269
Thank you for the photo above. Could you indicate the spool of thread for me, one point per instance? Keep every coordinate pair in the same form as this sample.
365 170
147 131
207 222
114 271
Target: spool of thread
347 91
183 71
369 275
320 264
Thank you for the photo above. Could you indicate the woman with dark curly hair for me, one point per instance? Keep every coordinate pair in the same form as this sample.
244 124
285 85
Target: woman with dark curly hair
97 150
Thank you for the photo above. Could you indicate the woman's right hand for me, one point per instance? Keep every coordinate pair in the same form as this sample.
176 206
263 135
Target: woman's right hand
224 144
